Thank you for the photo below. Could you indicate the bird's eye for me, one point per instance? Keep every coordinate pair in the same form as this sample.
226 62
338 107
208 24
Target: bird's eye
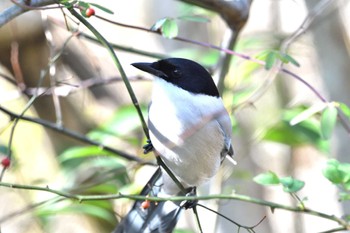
176 73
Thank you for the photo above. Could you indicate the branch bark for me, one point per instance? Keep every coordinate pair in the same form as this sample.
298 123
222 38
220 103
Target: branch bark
81 198
17 9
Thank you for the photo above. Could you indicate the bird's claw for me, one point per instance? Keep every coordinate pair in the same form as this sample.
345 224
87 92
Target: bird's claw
190 203
148 147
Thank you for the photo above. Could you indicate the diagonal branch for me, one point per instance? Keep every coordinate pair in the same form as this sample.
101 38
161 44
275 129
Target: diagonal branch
17 9
72 134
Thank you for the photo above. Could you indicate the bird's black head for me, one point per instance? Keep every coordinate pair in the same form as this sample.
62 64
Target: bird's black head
183 73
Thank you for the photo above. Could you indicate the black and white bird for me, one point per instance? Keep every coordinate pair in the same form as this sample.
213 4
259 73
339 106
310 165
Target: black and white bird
190 130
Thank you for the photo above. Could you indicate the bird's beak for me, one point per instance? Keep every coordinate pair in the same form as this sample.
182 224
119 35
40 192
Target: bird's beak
150 68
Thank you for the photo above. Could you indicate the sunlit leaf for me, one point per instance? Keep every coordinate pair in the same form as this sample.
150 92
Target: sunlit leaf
291 185
328 120
290 59
270 60
305 132
82 152
338 173
158 25
307 113
345 110
268 178
167 26
170 28
332 172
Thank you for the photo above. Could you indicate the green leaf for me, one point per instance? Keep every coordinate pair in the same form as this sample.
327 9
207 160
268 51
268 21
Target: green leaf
158 25
84 208
332 172
167 26
125 125
345 169
270 60
343 196
195 18
328 120
82 152
338 173
291 185
83 5
102 189
345 109
268 178
270 57
67 3
290 59
170 28
307 113
305 132
102 8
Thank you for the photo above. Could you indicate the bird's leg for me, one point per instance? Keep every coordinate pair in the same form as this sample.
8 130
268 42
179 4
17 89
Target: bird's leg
148 147
190 203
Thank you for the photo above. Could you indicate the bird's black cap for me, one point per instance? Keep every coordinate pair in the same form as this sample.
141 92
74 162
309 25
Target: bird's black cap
184 73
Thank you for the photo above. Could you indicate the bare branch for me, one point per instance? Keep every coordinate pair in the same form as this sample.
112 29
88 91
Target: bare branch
73 134
343 223
17 9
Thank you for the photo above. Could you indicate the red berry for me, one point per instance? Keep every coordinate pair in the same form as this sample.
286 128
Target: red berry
6 162
89 12
145 204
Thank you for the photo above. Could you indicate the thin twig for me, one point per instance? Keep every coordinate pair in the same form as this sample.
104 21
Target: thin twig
320 7
116 61
335 230
73 134
16 120
128 49
232 221
195 212
228 51
243 198
17 9
70 88
28 208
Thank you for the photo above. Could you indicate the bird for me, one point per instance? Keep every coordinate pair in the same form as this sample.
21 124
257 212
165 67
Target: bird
190 130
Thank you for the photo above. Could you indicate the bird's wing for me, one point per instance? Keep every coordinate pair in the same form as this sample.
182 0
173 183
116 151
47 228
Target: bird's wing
224 122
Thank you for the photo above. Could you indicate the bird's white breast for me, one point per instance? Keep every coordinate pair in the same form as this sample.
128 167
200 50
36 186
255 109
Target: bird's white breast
185 131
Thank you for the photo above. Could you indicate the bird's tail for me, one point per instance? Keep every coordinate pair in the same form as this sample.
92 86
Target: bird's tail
160 217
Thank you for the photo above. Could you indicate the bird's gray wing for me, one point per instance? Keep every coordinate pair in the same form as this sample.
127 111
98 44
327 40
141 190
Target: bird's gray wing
224 122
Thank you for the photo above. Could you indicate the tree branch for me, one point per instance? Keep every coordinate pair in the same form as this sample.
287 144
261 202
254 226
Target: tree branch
238 197
17 9
73 134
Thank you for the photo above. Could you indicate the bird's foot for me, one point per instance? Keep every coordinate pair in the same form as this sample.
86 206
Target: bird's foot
148 147
190 203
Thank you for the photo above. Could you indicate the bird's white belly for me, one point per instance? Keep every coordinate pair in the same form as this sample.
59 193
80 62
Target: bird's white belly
189 147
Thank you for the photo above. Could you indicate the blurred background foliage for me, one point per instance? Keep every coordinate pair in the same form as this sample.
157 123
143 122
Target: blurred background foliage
284 134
